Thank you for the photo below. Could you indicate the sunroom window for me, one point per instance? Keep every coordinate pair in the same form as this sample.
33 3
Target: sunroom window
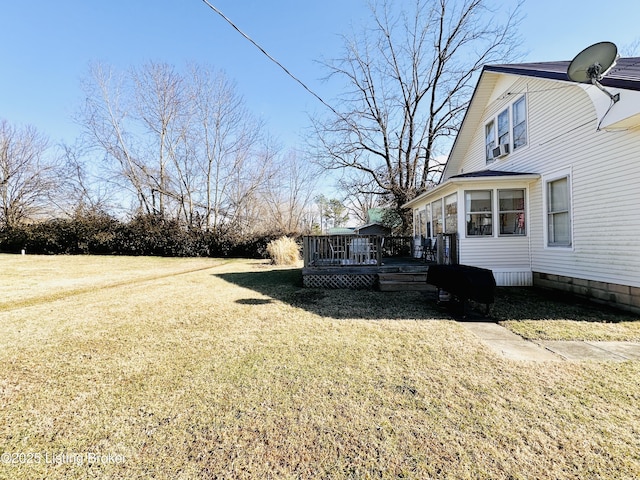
511 205
436 215
417 224
451 214
479 214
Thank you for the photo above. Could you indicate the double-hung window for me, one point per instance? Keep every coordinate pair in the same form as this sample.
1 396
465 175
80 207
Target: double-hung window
519 123
507 130
559 212
490 140
504 127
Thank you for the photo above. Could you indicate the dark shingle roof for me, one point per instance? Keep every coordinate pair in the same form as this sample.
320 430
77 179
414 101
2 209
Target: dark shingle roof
625 74
489 173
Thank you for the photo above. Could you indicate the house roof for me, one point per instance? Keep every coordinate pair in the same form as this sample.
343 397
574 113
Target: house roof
625 74
341 231
491 173
464 178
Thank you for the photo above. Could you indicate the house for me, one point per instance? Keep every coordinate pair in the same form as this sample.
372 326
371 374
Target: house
374 225
542 184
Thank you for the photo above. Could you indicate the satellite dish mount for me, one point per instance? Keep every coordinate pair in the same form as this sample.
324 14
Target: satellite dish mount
592 64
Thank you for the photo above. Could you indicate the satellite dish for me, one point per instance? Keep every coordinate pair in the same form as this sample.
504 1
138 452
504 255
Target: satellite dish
593 63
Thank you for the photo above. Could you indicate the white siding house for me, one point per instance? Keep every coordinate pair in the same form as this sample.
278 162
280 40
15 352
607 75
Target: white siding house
542 185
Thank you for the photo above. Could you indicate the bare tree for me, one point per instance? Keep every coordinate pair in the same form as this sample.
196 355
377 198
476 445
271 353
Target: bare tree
289 194
230 145
82 191
162 110
360 194
184 144
408 82
27 175
107 121
631 49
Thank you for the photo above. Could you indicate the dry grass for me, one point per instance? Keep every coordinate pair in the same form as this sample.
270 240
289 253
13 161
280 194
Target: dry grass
284 251
544 316
236 372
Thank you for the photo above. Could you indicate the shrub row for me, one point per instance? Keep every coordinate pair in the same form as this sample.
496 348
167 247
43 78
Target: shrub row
143 235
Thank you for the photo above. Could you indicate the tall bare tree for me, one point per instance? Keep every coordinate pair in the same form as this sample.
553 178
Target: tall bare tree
27 176
409 78
183 143
107 118
162 110
82 191
232 156
289 193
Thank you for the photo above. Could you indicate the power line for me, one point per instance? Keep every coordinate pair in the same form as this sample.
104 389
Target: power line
270 57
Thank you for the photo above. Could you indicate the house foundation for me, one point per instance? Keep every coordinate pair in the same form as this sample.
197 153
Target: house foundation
624 297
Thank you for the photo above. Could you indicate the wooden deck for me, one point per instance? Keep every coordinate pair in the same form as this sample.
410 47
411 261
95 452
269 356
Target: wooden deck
364 262
393 274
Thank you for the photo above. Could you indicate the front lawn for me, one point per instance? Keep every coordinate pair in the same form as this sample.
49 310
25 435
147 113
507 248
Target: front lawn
219 369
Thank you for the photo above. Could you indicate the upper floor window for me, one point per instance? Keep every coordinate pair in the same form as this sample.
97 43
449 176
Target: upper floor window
519 123
504 128
490 140
508 130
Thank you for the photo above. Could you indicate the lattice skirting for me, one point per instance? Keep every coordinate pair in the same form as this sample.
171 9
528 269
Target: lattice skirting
353 282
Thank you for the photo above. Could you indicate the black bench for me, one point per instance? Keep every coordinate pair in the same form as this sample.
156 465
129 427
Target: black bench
464 282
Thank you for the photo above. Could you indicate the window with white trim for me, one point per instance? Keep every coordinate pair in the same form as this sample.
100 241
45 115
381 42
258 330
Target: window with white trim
519 110
479 212
451 214
504 127
436 216
511 212
489 140
558 212
508 128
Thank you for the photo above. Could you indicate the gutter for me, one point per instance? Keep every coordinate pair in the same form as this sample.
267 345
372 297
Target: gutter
528 177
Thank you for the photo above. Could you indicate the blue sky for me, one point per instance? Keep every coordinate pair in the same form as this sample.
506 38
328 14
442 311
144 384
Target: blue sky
46 47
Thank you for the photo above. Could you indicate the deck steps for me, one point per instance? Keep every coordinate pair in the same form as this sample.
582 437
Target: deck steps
403 281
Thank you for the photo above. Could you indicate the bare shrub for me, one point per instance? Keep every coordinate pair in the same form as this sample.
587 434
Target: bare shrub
284 251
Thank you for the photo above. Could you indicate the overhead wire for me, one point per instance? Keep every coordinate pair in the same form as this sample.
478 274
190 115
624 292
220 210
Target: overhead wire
271 58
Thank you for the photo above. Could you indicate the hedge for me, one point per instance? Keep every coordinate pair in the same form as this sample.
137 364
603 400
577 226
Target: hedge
142 235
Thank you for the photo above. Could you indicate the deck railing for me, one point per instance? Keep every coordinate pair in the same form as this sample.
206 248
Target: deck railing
357 250
334 250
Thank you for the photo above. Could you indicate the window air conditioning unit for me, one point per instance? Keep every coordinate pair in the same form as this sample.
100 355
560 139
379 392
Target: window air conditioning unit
501 150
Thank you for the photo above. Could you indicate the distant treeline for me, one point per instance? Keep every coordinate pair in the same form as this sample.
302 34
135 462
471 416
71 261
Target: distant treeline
143 235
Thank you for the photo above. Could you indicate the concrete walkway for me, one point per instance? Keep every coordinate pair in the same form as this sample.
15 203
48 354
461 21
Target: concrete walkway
511 346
